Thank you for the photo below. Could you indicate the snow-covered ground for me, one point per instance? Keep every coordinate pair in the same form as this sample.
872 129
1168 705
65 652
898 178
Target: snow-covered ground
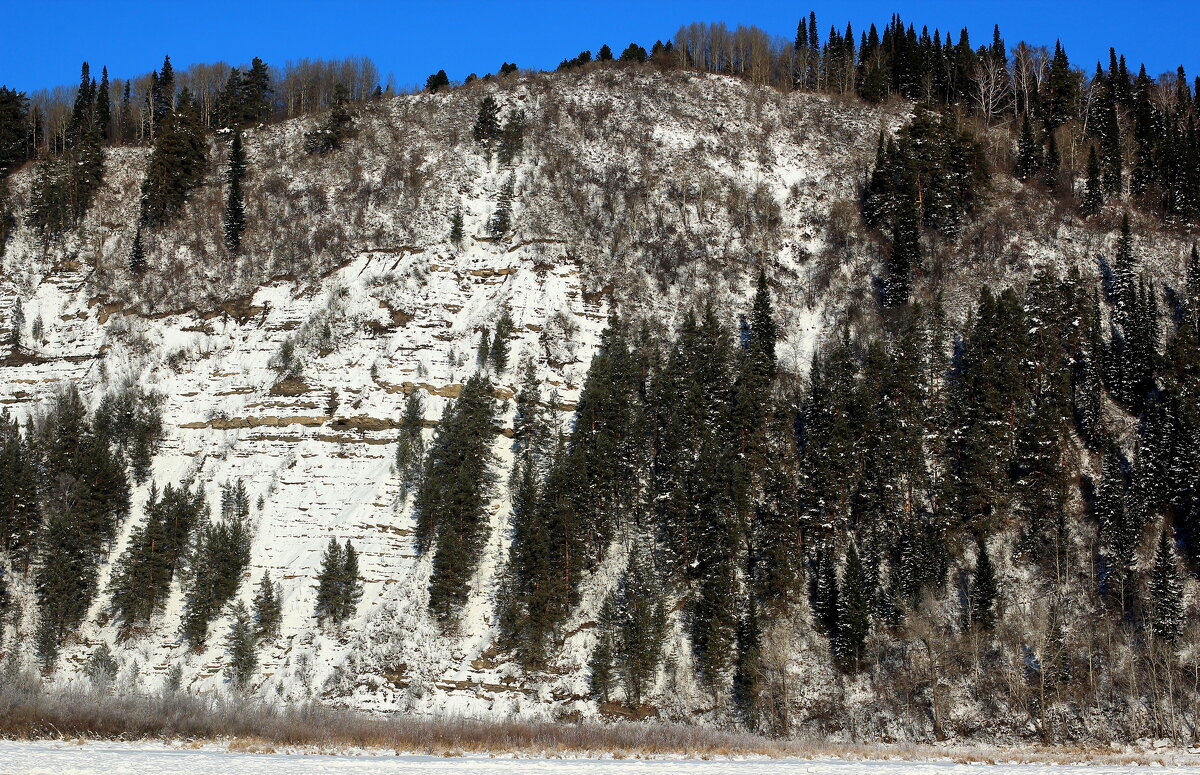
66 758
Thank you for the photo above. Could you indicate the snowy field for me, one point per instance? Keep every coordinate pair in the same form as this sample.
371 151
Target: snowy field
64 758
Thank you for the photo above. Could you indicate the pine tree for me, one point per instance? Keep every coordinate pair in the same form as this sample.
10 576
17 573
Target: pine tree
16 325
240 647
1193 287
268 608
14 130
162 95
101 668
235 210
352 586
437 82
601 662
500 224
104 107
1166 590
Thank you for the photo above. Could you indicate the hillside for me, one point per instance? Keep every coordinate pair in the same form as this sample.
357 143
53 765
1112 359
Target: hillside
637 192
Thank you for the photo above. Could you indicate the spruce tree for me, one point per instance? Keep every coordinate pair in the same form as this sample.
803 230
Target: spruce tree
601 661
1029 152
137 254
487 125
905 254
177 162
218 557
240 647
410 446
268 608
982 597
329 135
328 580
456 228
498 352
748 674
512 137
450 504
1093 193
853 616
14 130
1052 166
437 82
235 210
1166 590
142 576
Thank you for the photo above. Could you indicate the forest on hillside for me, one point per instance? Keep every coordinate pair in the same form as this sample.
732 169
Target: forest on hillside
977 526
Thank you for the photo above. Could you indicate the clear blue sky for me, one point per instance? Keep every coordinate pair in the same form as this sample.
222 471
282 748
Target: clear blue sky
47 40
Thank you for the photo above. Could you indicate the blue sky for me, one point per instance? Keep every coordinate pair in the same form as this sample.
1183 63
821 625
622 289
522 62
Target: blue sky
412 39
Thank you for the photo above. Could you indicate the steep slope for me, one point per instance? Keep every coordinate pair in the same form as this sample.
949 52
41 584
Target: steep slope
636 191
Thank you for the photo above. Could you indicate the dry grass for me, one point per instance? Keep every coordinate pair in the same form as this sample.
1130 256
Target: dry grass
252 727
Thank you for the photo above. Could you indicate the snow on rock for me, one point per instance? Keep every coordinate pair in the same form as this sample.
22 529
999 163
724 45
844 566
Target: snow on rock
637 190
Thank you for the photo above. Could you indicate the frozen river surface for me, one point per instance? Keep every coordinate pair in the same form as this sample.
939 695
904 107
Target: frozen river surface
64 758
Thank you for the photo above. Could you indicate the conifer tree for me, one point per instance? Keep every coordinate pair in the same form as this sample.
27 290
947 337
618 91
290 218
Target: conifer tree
235 210
487 125
20 513
853 616
748 674
240 647
512 137
1029 152
1052 166
601 662
14 130
1093 193
905 254
437 82
410 446
137 254
339 588
335 129
500 223
177 161
104 107
1166 590
498 352
268 608
329 582
982 598
1193 287
456 228
450 503
142 577
218 557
